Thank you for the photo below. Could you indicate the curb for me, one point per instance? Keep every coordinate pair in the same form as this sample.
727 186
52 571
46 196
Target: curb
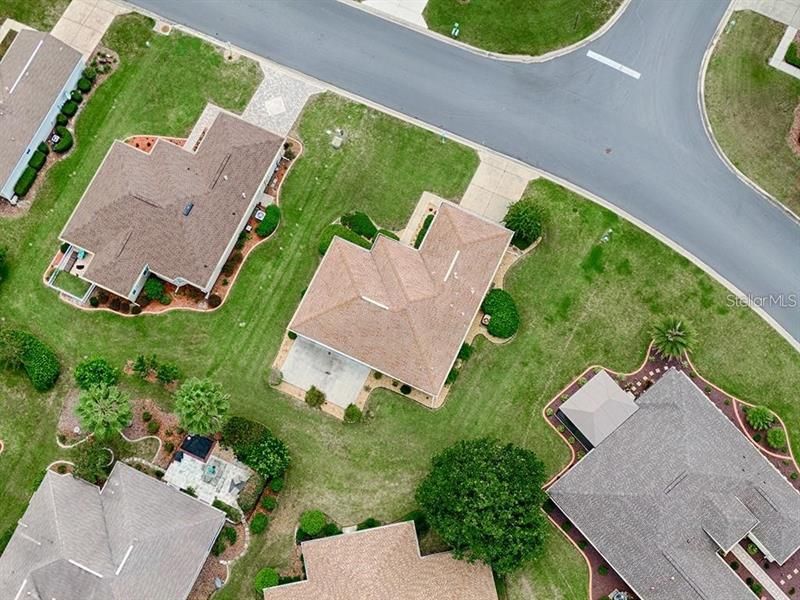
514 58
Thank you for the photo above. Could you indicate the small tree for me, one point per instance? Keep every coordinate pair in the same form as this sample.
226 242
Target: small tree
315 397
95 371
352 414
266 578
524 218
760 417
269 456
153 289
201 406
483 498
104 410
168 372
776 438
91 462
672 338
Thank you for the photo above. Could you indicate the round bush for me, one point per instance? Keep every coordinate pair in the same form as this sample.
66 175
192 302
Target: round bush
312 521
360 223
214 300
136 309
90 73
524 218
405 389
259 523
270 221
503 311
65 143
760 417
352 414
776 438
69 108
61 119
266 578
269 503
76 96
84 85
276 485
43 148
94 301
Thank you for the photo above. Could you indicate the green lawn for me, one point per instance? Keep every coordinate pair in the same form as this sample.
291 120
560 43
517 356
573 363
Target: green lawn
580 303
751 105
71 284
519 26
39 14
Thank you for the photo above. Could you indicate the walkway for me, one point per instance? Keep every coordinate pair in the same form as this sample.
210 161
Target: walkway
84 23
758 573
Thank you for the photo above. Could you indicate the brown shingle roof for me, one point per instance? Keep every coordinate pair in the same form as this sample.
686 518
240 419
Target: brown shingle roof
401 311
32 73
384 564
132 213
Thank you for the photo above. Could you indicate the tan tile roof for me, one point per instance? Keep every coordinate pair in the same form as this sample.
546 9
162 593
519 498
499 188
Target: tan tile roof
131 215
384 564
401 311
32 73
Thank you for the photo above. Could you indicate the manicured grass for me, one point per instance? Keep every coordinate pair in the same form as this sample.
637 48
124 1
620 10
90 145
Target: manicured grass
71 284
39 14
751 105
519 26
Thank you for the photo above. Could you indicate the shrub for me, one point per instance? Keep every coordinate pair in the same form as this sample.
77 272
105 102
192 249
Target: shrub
359 222
90 73
420 522
329 530
43 148
276 485
153 288
95 371
793 475
91 462
275 377
104 410
269 503
259 523
465 351
315 397
343 232
369 523
229 268
94 302
136 309
25 181
792 55
291 335
65 143
37 160
752 549
734 565
405 389
548 411
352 414
423 231
38 361
238 433
69 108
672 338
219 545
266 578
190 491
760 417
312 522
115 303
776 438
201 405
503 311
84 85
153 427
214 300
229 533
524 218
251 492
76 96
390 234
602 570
169 447
229 511
168 372
452 375
269 457
61 120
270 222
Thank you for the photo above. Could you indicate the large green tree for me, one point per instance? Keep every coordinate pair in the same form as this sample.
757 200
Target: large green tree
484 499
201 406
104 410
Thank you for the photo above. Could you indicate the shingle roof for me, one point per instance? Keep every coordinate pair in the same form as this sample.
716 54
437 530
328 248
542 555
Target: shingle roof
132 213
402 311
384 564
670 485
137 538
32 73
599 407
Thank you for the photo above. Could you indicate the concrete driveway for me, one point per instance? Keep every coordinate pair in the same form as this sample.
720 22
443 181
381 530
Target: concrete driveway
341 378
84 22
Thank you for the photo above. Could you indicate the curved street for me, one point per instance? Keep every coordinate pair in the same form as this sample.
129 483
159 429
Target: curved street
639 143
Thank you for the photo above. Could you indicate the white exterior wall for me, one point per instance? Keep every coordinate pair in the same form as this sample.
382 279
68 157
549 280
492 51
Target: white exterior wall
7 191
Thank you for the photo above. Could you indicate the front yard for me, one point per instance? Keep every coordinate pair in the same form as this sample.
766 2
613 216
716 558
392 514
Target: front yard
581 302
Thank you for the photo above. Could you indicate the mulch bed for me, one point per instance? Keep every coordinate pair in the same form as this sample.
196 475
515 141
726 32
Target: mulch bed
146 142
204 585
168 432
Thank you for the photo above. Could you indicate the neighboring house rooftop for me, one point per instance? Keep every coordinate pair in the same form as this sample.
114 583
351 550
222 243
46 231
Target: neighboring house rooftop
675 483
135 538
384 564
172 210
33 72
599 407
401 311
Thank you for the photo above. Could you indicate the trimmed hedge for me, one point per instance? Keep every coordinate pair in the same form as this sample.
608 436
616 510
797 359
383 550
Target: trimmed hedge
84 85
61 119
69 109
38 360
343 232
43 148
792 55
231 512
389 234
424 230
37 160
65 143
501 307
251 492
360 223
270 222
76 96
25 181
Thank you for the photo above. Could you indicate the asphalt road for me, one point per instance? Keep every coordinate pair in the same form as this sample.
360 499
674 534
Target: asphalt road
638 143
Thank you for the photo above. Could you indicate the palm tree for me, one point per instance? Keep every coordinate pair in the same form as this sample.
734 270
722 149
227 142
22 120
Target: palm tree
672 338
104 410
201 406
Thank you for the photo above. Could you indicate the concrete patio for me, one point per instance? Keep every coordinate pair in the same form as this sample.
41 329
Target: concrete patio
215 479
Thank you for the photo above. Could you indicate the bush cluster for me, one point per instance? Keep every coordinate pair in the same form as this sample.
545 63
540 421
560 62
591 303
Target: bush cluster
43 148
38 360
25 181
256 446
343 232
359 223
165 372
369 523
423 231
503 311
270 222
61 119
229 268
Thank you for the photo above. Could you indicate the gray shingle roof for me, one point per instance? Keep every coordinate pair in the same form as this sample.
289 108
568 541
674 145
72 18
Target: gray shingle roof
135 538
674 475
599 407
32 73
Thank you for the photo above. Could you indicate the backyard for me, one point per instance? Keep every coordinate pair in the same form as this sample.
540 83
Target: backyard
581 302
519 26
751 105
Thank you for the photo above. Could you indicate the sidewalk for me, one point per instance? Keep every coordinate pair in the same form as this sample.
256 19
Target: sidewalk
783 11
758 573
497 184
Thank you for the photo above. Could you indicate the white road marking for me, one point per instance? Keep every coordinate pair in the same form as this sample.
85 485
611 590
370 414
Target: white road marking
613 64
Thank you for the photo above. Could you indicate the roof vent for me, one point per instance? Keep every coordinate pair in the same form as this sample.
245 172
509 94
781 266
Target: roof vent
187 209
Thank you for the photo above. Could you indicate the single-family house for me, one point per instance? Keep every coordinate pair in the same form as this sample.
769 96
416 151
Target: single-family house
37 73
